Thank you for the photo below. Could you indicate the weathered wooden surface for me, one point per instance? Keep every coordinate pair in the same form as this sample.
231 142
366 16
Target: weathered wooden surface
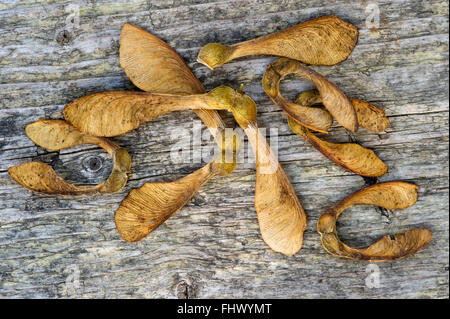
212 248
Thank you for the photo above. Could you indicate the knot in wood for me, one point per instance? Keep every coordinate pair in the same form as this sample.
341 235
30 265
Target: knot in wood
93 163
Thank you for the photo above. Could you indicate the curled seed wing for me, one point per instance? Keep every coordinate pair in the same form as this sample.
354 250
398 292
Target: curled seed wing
334 100
350 156
390 195
403 244
327 40
314 118
385 249
369 116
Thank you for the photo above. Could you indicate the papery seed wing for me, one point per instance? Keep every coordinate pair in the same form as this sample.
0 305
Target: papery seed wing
41 178
153 66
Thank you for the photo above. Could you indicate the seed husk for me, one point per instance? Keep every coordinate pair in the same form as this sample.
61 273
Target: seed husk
153 66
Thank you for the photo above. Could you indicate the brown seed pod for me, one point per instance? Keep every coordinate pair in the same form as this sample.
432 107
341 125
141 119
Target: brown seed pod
316 119
390 195
154 66
56 135
369 116
350 156
326 40
281 217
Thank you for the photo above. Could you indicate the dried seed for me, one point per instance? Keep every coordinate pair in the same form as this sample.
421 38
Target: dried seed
56 135
154 66
326 40
389 195
316 119
281 217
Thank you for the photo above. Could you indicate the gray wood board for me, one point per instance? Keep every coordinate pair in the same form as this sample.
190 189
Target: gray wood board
53 247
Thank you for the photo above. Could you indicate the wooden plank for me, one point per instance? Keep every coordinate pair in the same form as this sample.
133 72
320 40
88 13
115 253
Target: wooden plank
212 247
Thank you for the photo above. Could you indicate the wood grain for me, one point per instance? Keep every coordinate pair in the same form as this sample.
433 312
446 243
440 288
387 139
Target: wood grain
212 248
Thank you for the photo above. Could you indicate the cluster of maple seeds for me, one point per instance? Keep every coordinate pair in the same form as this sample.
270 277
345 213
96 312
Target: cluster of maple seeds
169 85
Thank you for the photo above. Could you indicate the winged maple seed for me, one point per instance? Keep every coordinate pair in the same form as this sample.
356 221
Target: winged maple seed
350 156
390 195
153 66
147 207
116 112
281 217
326 40
316 119
55 135
369 116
